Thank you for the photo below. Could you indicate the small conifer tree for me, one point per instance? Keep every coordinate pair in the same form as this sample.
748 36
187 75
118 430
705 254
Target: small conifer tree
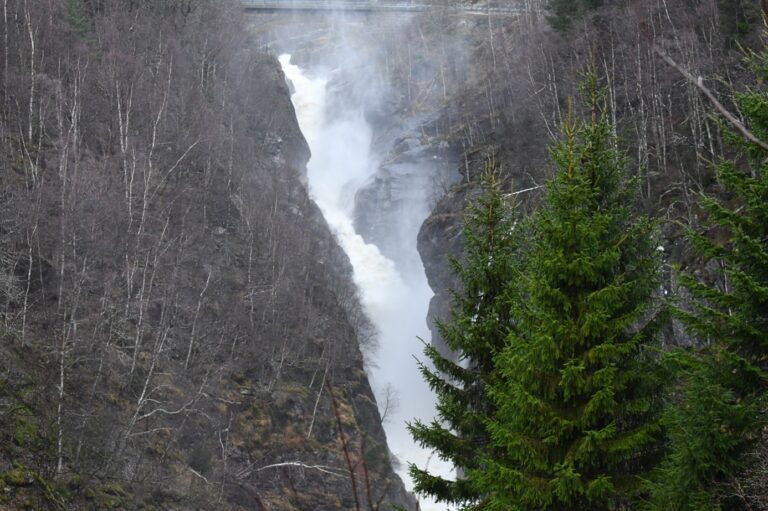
576 389
75 14
476 330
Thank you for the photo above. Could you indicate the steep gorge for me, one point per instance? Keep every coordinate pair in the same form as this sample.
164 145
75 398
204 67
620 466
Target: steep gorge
180 327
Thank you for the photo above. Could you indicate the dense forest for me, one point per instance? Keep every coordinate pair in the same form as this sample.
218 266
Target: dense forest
607 330
180 330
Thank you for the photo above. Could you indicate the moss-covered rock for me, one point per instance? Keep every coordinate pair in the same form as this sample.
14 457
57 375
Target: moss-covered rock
25 428
18 476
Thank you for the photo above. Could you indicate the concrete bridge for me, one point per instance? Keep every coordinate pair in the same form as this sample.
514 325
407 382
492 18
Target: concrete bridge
376 6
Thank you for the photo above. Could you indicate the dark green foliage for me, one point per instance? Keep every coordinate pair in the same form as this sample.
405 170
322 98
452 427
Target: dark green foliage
562 13
739 17
477 330
76 17
720 411
577 389
200 459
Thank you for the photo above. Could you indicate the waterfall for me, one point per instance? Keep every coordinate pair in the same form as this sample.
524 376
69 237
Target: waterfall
396 302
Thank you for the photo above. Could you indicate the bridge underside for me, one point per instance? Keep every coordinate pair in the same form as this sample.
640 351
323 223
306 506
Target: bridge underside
267 5
363 6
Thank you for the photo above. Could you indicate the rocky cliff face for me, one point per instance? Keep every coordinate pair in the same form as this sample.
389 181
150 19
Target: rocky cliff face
402 190
180 330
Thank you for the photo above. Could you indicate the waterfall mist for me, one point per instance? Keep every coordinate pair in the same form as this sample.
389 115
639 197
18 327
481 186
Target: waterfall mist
396 297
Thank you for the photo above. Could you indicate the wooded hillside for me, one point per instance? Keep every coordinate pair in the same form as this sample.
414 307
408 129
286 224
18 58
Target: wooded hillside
175 312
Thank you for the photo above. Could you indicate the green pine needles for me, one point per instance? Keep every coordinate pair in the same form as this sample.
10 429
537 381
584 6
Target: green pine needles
477 330
74 12
720 408
576 388
559 399
557 404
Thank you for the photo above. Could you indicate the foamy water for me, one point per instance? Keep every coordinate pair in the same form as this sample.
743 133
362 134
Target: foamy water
340 164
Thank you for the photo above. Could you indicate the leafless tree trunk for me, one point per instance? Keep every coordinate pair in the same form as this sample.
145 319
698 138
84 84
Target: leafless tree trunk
317 401
149 173
32 82
344 446
5 56
490 36
145 293
25 306
194 321
68 345
699 83
124 126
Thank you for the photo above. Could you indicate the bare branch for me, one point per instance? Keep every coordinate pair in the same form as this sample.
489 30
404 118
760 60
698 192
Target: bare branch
317 401
524 191
699 83
198 474
164 411
320 468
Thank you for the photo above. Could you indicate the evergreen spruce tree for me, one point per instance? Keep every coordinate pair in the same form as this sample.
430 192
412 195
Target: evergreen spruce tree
721 404
477 329
577 390
74 12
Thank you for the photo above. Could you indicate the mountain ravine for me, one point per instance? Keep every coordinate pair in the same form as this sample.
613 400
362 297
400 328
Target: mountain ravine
188 317
180 328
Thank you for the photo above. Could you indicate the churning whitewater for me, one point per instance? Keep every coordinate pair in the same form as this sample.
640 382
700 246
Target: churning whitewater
341 163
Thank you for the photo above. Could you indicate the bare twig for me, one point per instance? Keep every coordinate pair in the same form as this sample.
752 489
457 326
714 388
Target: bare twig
317 401
320 468
524 191
198 474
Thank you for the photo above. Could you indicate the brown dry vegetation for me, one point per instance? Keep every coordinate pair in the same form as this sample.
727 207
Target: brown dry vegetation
172 301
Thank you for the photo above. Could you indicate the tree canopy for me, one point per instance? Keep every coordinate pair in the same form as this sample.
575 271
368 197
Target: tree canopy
719 408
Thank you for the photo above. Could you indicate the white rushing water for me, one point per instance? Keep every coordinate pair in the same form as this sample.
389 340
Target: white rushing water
340 164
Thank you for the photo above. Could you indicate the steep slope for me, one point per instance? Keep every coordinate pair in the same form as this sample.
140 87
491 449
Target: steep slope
519 74
180 328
